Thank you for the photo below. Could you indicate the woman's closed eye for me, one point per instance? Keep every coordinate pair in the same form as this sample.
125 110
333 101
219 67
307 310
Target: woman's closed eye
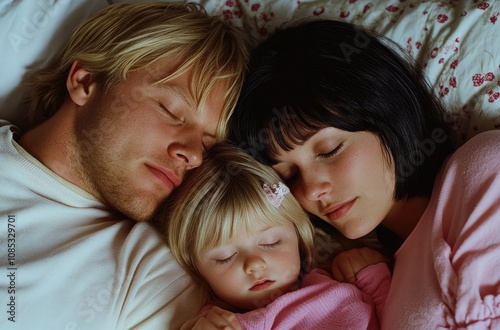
289 175
333 152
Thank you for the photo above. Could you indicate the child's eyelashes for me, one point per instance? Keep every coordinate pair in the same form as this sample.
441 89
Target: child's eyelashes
271 245
226 260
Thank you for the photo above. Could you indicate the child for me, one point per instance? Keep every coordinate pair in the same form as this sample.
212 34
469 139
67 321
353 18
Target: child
236 229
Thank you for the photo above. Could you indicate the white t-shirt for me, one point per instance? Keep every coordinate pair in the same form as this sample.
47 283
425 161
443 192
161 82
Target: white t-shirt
68 263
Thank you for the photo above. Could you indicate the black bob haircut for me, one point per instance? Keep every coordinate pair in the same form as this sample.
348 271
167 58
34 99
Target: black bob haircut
320 73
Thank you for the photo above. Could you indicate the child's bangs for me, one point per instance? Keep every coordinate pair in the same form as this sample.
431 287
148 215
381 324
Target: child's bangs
241 213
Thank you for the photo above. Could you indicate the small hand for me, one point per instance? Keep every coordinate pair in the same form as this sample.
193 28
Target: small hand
215 318
348 263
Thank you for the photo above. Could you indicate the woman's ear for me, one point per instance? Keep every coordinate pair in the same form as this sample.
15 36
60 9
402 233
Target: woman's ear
80 84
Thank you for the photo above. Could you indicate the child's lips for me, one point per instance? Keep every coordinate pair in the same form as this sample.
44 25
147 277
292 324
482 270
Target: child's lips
261 285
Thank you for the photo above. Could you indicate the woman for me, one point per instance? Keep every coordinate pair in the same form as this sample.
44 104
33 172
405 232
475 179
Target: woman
355 132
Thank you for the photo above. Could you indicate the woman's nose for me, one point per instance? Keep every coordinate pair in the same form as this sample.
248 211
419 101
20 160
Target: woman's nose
315 187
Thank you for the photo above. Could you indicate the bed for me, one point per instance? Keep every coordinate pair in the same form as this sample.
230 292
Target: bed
457 42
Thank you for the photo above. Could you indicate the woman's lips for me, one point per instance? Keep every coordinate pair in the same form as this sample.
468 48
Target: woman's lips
336 212
261 285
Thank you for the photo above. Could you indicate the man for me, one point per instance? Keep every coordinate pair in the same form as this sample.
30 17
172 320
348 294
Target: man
122 113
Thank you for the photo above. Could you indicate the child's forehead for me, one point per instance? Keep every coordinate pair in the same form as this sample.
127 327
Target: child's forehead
258 228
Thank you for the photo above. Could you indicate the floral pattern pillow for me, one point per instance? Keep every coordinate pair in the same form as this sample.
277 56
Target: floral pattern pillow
456 41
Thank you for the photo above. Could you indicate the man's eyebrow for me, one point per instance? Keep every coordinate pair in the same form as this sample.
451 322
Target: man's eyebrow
179 91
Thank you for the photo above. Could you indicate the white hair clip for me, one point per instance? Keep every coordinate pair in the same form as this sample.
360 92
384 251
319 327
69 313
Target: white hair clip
276 193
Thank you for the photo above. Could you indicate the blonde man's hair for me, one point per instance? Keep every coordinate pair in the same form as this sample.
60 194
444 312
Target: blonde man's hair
125 37
222 195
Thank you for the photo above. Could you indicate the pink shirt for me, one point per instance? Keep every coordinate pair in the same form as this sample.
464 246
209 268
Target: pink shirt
447 272
323 303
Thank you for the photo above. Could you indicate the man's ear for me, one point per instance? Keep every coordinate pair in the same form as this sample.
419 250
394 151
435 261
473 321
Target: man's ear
80 84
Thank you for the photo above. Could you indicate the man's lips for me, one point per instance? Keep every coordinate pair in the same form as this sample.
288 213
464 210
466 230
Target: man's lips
337 211
169 179
261 285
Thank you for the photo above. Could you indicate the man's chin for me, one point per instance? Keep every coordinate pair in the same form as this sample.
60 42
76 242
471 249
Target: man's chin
139 212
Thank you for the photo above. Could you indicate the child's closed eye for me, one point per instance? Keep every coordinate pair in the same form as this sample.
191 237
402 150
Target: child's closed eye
226 260
271 245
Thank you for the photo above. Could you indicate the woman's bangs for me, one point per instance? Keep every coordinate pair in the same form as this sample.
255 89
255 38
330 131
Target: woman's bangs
293 126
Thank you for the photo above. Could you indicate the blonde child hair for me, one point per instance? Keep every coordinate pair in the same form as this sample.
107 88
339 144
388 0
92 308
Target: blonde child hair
125 37
224 194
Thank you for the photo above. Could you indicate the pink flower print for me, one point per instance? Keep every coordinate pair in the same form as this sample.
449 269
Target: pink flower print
493 96
434 52
227 14
494 17
453 82
498 83
442 18
366 8
319 11
457 40
353 1
477 79
344 14
238 13
489 76
454 64
444 92
425 12
255 7
266 18
418 44
441 60
392 9
230 3
483 6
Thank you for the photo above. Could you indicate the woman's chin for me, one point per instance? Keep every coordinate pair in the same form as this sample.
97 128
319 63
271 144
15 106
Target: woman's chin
354 232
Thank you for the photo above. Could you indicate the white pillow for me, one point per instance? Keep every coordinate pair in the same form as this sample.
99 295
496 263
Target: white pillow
30 33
